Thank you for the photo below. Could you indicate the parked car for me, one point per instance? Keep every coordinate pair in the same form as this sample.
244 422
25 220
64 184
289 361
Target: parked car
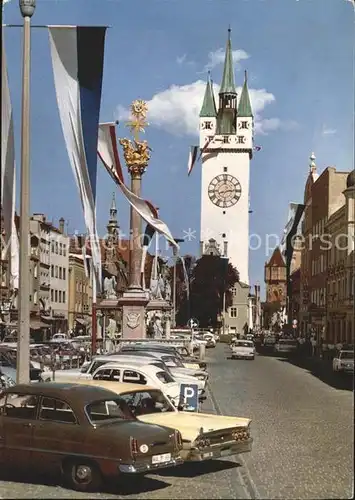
88 369
140 374
243 349
210 340
344 361
204 436
87 433
286 346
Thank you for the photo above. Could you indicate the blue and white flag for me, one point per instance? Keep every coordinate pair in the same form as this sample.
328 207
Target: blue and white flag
8 178
78 59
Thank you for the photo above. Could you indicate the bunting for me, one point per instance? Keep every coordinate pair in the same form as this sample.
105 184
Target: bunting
77 60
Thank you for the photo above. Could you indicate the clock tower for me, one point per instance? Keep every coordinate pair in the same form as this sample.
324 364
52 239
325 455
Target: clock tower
226 142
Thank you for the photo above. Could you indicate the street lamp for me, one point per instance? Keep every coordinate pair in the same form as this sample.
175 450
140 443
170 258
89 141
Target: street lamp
27 8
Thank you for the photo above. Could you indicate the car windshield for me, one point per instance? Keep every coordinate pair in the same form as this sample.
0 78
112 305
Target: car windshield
172 361
244 344
165 377
346 355
145 402
108 410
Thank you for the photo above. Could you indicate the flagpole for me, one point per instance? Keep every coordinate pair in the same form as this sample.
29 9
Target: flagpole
93 313
27 8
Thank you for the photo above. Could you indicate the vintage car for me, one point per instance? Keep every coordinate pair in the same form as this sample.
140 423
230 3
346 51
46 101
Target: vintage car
286 346
243 349
87 433
204 436
343 361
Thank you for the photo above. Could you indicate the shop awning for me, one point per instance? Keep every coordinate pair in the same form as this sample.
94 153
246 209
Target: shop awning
37 324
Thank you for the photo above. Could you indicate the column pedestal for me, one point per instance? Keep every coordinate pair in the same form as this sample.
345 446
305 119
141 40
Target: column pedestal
133 303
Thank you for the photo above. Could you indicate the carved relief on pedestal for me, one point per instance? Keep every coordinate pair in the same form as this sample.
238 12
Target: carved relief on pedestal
133 319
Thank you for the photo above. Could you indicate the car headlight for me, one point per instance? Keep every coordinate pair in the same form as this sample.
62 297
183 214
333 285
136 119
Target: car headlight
241 434
200 377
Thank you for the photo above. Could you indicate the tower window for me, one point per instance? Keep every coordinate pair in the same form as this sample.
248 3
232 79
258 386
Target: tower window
207 125
244 124
224 212
223 235
240 139
226 139
225 169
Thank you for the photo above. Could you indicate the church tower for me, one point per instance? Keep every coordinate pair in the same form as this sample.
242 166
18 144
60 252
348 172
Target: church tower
112 226
226 143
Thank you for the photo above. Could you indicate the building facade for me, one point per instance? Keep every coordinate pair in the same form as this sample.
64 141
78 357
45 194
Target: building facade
274 307
323 197
340 276
79 295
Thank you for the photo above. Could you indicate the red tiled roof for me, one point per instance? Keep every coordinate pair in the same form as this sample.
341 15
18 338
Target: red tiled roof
276 259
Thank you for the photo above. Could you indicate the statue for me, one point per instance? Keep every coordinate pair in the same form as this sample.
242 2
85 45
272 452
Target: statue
158 329
136 152
167 291
110 288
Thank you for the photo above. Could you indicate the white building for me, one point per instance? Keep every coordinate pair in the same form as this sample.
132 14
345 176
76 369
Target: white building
226 142
59 276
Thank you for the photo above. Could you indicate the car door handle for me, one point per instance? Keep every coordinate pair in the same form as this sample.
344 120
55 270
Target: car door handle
28 424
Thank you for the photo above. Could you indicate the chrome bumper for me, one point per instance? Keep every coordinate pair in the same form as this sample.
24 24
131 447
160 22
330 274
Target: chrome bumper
218 451
141 468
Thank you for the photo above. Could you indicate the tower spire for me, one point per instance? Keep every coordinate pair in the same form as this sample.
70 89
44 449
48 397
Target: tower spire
228 85
208 109
244 107
112 226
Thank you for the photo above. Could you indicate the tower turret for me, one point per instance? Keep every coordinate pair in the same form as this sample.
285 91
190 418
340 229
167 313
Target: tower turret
245 120
208 113
227 111
112 226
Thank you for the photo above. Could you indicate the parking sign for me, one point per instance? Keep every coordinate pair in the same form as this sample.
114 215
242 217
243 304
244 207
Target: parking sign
189 397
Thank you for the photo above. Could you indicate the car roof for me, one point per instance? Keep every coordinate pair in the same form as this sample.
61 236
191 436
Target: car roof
82 394
118 387
130 365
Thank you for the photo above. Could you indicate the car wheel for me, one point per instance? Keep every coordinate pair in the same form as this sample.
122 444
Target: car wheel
82 475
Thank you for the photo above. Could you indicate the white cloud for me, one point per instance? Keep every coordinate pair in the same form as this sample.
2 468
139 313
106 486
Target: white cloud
181 59
328 130
176 109
217 57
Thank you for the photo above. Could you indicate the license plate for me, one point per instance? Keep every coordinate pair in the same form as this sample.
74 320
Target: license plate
159 459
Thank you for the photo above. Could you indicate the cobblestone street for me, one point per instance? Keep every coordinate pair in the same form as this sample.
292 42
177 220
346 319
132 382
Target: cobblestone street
303 441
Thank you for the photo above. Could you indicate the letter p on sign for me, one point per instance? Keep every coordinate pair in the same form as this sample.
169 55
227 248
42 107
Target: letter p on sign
189 397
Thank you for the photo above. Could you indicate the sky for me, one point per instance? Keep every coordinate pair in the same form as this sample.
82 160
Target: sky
299 58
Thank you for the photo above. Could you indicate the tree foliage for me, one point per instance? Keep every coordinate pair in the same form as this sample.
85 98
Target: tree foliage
210 278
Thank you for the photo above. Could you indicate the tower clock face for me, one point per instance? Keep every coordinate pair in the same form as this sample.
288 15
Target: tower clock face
224 190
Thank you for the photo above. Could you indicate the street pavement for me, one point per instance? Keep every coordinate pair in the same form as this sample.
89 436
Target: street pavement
303 441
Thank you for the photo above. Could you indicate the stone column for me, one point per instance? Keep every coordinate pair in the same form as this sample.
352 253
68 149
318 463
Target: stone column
167 325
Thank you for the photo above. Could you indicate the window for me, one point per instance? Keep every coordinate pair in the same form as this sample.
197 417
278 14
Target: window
104 374
56 411
51 295
63 297
56 271
208 125
35 297
240 139
133 377
56 247
165 377
60 273
60 249
64 273
21 406
225 169
108 410
52 271
52 246
64 250
226 139
233 312
55 295
244 124
60 296
146 402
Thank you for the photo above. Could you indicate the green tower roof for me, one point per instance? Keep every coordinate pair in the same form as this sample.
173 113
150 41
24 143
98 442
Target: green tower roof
228 85
209 105
244 107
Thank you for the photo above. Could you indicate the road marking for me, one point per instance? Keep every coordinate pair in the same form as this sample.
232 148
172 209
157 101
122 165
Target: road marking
250 489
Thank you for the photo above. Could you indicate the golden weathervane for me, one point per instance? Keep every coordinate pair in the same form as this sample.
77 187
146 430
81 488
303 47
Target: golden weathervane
136 153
